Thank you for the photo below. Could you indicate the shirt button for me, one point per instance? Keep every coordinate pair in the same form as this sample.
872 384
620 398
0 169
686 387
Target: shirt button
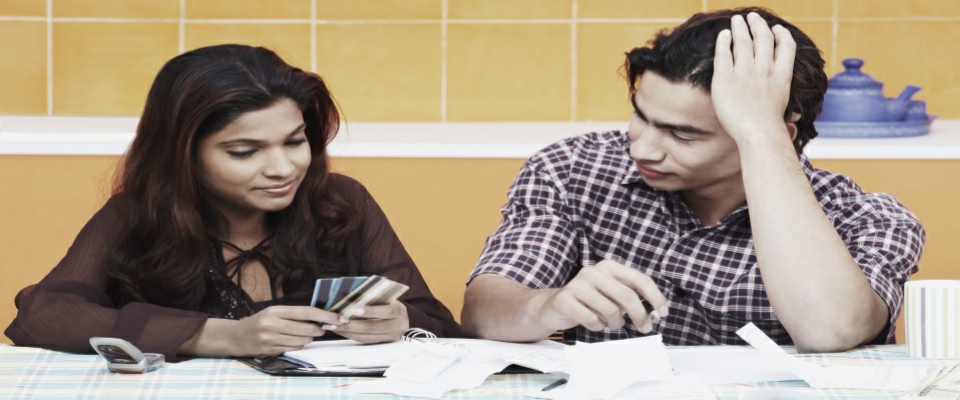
679 292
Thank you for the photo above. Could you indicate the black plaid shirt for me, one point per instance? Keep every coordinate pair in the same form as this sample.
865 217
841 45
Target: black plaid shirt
581 200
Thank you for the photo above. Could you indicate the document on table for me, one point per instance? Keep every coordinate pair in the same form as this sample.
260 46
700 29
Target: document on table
721 365
680 387
602 370
429 370
835 377
942 385
346 354
467 373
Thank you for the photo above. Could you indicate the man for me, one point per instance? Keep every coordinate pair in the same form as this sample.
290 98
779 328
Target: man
597 225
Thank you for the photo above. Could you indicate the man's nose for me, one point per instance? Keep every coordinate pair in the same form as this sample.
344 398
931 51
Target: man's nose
647 146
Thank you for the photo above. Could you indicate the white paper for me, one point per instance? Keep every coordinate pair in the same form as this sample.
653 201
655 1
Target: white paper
601 370
944 384
778 393
546 361
468 373
351 354
507 350
356 354
681 387
835 377
722 365
425 364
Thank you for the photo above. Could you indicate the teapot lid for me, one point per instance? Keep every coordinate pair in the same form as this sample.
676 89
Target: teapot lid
852 77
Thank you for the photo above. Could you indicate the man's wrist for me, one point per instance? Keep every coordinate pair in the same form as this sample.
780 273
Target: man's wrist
763 139
537 311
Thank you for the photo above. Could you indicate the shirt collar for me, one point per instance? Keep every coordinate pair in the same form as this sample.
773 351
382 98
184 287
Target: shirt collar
629 174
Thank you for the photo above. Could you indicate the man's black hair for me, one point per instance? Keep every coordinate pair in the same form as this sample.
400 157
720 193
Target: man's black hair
685 55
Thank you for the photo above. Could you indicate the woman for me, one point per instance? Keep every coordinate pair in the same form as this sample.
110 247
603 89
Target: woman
224 214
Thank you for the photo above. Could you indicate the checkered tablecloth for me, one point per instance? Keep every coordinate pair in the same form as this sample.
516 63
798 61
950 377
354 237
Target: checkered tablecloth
30 373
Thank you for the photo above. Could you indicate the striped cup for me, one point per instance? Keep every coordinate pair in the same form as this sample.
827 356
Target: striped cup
932 316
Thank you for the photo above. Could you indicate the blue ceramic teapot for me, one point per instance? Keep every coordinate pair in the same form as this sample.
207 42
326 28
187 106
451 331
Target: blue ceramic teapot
853 96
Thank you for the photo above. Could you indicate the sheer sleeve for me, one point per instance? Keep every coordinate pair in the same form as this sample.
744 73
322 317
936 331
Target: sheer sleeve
71 304
381 253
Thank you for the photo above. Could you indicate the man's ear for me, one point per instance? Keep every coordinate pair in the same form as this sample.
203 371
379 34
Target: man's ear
792 125
792 130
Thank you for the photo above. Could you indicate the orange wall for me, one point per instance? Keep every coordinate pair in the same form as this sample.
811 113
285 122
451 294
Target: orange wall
443 209
434 60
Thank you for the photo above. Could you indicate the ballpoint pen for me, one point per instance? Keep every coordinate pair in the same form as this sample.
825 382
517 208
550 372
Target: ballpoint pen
554 385
654 315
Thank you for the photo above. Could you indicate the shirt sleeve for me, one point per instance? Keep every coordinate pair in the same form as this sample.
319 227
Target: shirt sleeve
382 253
72 304
886 241
536 243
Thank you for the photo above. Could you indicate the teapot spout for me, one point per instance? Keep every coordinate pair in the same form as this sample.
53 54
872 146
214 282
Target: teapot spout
897 107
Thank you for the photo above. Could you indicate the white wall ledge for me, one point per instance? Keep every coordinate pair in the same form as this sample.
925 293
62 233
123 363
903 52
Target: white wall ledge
21 135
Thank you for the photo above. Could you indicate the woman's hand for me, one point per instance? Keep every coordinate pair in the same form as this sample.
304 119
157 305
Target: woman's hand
382 324
273 331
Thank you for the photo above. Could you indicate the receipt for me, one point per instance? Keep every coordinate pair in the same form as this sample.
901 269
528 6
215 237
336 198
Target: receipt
835 377
425 364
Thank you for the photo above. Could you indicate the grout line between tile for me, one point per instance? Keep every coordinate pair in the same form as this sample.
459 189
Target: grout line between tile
449 21
278 21
629 20
117 20
510 21
443 60
703 5
573 61
378 21
900 19
313 36
438 21
181 29
23 19
49 57
834 35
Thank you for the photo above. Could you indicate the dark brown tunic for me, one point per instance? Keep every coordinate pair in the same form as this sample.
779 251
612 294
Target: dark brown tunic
71 304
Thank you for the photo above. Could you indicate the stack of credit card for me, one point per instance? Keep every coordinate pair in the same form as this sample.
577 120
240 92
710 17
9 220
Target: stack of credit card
345 295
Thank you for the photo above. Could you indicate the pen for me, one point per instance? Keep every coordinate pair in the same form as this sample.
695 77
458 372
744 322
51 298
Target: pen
654 315
554 385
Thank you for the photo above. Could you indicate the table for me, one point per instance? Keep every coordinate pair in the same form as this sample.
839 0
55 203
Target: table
31 373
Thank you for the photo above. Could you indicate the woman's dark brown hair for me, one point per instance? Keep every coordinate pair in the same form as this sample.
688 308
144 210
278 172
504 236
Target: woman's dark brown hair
685 55
165 245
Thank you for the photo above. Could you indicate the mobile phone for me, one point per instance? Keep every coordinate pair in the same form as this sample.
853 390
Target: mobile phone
123 357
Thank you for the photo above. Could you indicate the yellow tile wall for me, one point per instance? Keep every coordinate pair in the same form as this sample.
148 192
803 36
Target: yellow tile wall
23 8
116 9
25 42
290 41
438 60
107 68
495 76
382 72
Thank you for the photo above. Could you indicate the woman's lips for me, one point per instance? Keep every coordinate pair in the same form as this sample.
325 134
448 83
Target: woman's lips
650 173
278 190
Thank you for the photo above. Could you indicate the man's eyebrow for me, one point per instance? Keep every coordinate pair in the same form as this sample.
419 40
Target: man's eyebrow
685 128
256 142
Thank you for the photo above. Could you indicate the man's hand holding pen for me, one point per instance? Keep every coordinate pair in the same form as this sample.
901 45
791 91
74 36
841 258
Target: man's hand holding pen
600 295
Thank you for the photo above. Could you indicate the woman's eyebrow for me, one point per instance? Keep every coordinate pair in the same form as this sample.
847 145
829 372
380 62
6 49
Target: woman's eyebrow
257 141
